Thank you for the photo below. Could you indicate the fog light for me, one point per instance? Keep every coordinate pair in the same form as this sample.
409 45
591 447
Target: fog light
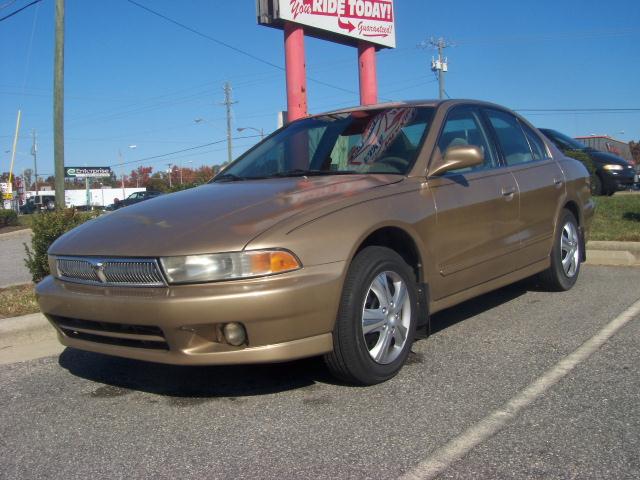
234 334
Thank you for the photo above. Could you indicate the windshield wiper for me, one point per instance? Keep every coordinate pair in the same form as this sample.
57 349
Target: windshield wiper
228 177
311 173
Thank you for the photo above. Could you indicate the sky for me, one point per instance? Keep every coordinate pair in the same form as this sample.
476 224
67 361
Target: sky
132 78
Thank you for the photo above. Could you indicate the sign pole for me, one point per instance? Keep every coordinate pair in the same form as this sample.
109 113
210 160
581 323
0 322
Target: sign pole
367 71
295 71
15 145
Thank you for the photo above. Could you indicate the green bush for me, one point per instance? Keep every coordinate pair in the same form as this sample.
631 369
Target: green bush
47 227
8 218
582 157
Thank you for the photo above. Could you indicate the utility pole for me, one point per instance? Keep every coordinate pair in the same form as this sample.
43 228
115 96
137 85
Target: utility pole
440 65
34 152
58 104
228 102
169 172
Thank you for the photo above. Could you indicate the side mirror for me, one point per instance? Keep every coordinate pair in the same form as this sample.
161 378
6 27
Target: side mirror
458 156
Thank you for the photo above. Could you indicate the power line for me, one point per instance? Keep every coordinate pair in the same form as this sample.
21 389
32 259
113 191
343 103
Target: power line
179 151
231 47
19 10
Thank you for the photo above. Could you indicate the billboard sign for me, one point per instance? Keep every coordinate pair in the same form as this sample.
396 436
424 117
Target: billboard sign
343 21
87 172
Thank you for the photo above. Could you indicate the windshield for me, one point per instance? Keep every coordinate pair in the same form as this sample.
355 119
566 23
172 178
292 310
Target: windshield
372 141
563 141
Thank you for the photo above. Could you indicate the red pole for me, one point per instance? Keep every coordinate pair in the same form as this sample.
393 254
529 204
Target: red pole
295 71
367 70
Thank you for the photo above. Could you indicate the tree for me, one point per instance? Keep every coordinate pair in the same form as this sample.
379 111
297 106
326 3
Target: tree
140 176
635 151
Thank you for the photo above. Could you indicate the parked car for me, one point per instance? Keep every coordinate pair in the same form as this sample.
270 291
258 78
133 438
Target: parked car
338 235
135 197
38 203
612 173
28 207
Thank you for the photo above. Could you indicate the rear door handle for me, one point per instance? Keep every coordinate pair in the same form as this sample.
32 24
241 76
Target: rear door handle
508 191
558 182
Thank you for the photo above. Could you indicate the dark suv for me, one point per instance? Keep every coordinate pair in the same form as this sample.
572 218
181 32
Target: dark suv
612 173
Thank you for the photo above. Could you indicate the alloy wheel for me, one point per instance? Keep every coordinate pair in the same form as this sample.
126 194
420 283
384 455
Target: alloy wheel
386 317
569 249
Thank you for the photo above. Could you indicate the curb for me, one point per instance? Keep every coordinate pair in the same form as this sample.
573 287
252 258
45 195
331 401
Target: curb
613 253
28 337
25 329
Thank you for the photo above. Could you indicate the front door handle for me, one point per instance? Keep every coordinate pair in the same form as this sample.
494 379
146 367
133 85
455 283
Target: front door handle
558 182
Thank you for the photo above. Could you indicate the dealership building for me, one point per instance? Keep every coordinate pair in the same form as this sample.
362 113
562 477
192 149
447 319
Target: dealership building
605 143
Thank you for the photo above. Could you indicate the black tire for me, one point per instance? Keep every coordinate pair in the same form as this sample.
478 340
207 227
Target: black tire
596 186
557 278
352 357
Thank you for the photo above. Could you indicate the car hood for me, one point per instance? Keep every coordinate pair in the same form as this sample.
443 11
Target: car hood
217 217
607 158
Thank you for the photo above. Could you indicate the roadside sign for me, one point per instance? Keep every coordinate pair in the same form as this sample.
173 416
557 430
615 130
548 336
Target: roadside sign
87 172
342 21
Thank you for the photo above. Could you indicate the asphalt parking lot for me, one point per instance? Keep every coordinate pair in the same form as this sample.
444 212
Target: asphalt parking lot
83 415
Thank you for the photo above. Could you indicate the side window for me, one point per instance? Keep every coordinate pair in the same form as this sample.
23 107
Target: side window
537 146
464 127
511 137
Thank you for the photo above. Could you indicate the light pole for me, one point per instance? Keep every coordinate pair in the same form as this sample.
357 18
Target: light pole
169 173
260 131
132 147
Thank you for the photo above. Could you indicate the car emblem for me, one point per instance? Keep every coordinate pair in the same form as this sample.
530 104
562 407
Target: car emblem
98 268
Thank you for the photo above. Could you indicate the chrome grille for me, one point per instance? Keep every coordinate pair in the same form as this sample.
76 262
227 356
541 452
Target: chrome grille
120 272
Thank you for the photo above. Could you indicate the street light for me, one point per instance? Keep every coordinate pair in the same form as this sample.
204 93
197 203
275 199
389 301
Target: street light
132 147
260 131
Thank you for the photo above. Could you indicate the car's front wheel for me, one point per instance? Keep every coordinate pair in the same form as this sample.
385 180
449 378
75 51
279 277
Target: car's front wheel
376 321
566 255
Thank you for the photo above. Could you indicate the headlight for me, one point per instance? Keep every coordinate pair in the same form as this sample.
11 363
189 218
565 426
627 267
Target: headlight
613 167
228 266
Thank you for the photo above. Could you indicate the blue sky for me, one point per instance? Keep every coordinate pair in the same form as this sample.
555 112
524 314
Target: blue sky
135 79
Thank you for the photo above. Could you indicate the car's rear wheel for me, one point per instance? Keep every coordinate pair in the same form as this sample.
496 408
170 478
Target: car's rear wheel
566 255
376 321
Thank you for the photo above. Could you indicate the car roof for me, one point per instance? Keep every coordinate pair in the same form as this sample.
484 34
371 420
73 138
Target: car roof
412 103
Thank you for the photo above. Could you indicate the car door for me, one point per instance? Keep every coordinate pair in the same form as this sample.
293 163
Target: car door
540 181
476 210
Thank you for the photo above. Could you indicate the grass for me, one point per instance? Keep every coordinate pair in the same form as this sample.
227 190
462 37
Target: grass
19 300
24 222
617 218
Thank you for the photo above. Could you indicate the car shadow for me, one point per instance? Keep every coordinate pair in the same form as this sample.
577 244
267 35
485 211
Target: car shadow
124 375
453 315
198 381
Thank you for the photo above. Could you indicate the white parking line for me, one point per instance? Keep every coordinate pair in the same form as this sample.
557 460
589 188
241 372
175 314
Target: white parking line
459 446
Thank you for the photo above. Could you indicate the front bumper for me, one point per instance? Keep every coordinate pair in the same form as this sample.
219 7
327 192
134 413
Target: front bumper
615 181
286 317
